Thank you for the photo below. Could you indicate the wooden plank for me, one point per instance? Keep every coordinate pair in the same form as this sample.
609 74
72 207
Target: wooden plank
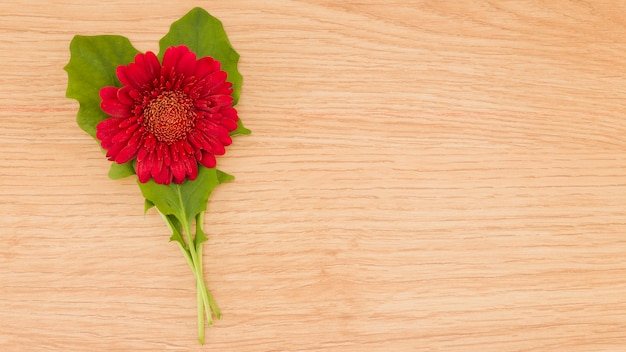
422 176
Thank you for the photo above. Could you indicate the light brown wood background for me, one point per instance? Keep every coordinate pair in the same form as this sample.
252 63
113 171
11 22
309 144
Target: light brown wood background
422 176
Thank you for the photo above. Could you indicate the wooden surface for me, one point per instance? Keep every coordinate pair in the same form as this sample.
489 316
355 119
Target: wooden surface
422 176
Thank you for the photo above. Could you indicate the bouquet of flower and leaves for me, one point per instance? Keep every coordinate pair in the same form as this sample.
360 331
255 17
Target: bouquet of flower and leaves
165 118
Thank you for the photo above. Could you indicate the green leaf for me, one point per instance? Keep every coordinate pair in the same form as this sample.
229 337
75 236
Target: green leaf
93 63
147 205
240 129
176 229
118 171
200 236
204 35
223 177
186 200
173 224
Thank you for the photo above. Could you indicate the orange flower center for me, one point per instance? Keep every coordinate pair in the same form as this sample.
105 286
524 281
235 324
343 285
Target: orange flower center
169 116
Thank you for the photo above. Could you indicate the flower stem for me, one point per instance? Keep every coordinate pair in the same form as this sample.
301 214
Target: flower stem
199 297
200 232
200 303
200 285
192 251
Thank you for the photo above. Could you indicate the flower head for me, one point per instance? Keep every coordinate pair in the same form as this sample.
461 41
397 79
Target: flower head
169 116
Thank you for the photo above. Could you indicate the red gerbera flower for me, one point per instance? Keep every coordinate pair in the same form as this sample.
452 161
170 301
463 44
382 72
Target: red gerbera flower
169 116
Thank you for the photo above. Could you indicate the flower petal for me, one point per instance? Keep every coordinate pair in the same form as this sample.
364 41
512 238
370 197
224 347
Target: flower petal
129 122
123 95
184 145
229 124
165 154
106 130
164 177
194 140
212 82
212 144
121 75
108 92
204 67
192 168
205 142
143 170
186 64
120 137
178 171
109 124
177 167
224 89
172 56
114 149
174 153
115 108
221 100
135 73
129 152
142 154
152 65
157 166
210 127
208 159
225 140
218 147
230 113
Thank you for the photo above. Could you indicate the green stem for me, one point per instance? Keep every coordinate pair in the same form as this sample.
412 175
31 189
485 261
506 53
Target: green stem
200 304
200 232
187 256
200 285
213 306
189 261
192 251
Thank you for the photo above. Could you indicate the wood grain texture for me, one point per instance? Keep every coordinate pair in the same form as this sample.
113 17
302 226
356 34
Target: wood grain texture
422 176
